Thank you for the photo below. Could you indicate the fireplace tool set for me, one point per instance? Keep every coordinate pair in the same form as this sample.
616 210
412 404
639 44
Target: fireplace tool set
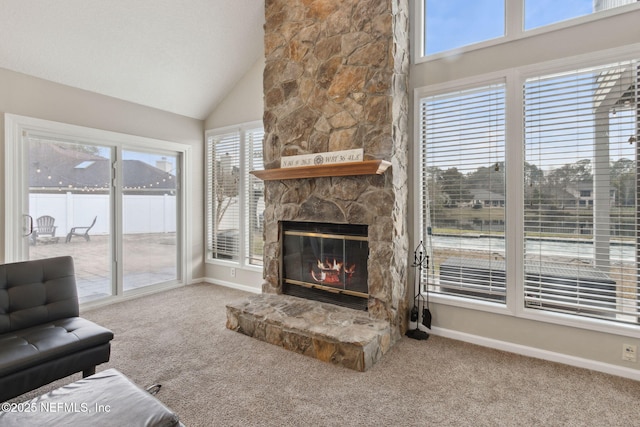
420 261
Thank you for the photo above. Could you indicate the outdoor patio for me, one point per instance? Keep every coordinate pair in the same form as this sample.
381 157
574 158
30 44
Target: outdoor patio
148 259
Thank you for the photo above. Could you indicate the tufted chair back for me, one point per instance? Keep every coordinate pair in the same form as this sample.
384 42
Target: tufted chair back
37 291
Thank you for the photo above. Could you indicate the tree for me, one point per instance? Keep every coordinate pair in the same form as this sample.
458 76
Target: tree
225 187
623 179
533 185
433 179
571 174
489 178
454 184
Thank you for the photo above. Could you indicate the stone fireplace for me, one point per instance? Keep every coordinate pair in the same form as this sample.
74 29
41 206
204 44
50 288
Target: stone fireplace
335 79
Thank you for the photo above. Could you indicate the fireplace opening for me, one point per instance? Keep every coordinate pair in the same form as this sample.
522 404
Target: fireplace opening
326 262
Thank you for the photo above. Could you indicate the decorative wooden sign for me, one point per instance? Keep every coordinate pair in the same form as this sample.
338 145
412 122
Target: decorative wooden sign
328 158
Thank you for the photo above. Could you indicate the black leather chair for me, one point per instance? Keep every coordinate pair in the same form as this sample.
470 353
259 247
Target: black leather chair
42 337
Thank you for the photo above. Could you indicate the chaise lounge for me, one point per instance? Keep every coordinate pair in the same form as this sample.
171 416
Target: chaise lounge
42 337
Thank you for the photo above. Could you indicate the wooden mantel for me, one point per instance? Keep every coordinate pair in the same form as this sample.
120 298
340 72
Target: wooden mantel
367 167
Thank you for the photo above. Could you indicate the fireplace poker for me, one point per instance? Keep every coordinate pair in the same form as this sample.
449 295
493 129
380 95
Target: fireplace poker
420 260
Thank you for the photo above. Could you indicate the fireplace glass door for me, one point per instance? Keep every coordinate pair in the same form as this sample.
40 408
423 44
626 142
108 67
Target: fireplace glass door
326 262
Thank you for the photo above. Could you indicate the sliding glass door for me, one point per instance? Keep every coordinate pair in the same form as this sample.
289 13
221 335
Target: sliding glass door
149 218
112 202
69 209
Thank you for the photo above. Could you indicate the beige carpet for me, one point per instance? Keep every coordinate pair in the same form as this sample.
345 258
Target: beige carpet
215 377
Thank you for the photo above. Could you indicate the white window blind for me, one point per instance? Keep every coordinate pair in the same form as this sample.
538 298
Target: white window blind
581 185
255 196
462 146
223 207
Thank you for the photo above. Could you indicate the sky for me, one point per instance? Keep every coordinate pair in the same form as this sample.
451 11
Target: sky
452 24
455 23
148 158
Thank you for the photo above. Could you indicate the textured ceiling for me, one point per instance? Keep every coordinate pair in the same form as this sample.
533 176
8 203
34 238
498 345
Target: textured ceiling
181 56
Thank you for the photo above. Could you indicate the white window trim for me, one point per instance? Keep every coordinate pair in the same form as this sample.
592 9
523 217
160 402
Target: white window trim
241 262
459 85
514 217
514 28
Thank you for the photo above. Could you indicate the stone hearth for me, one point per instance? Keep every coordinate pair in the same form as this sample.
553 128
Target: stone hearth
324 331
335 78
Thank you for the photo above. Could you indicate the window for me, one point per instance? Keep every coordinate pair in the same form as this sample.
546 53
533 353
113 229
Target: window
254 196
463 189
573 239
453 25
235 198
223 169
580 192
538 13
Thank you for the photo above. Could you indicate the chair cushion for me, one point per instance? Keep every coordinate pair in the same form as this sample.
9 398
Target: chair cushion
107 398
29 347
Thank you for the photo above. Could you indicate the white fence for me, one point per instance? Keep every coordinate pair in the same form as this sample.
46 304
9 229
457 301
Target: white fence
142 213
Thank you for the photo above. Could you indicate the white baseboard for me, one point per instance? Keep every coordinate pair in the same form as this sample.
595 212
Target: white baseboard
537 353
232 285
138 293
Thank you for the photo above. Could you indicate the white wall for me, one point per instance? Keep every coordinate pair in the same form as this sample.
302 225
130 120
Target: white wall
28 96
243 104
584 347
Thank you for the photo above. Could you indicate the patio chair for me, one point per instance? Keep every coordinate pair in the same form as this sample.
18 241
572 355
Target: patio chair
45 228
81 231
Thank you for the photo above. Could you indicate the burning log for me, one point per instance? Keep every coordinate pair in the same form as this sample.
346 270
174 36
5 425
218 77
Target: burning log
332 272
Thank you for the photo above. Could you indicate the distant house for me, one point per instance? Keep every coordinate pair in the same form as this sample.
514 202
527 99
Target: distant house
583 194
488 199
559 197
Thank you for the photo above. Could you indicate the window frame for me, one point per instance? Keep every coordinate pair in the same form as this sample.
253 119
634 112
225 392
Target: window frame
482 82
514 79
243 243
514 28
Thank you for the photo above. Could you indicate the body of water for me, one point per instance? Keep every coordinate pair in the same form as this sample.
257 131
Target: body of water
620 252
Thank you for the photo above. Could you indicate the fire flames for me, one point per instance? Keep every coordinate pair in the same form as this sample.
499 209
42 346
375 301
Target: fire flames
330 272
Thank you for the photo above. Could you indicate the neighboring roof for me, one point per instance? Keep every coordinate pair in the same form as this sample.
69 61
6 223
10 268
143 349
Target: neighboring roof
55 168
581 186
487 195
559 195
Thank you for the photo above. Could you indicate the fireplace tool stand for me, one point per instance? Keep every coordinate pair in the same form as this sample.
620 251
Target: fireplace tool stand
420 260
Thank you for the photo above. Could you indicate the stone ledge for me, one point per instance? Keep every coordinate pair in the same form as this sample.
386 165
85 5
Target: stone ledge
327 332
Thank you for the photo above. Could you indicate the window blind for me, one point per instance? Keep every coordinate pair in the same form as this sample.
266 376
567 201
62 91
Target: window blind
255 196
581 184
463 191
223 160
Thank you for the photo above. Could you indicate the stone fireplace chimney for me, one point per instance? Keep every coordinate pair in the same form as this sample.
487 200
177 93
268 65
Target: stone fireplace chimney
336 78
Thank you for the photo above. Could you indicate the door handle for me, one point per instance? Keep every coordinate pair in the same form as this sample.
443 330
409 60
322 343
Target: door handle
29 226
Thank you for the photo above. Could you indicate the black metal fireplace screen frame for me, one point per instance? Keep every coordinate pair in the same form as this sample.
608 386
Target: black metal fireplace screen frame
325 262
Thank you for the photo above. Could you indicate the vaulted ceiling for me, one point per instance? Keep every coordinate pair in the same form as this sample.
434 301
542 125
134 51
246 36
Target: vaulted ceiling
181 56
